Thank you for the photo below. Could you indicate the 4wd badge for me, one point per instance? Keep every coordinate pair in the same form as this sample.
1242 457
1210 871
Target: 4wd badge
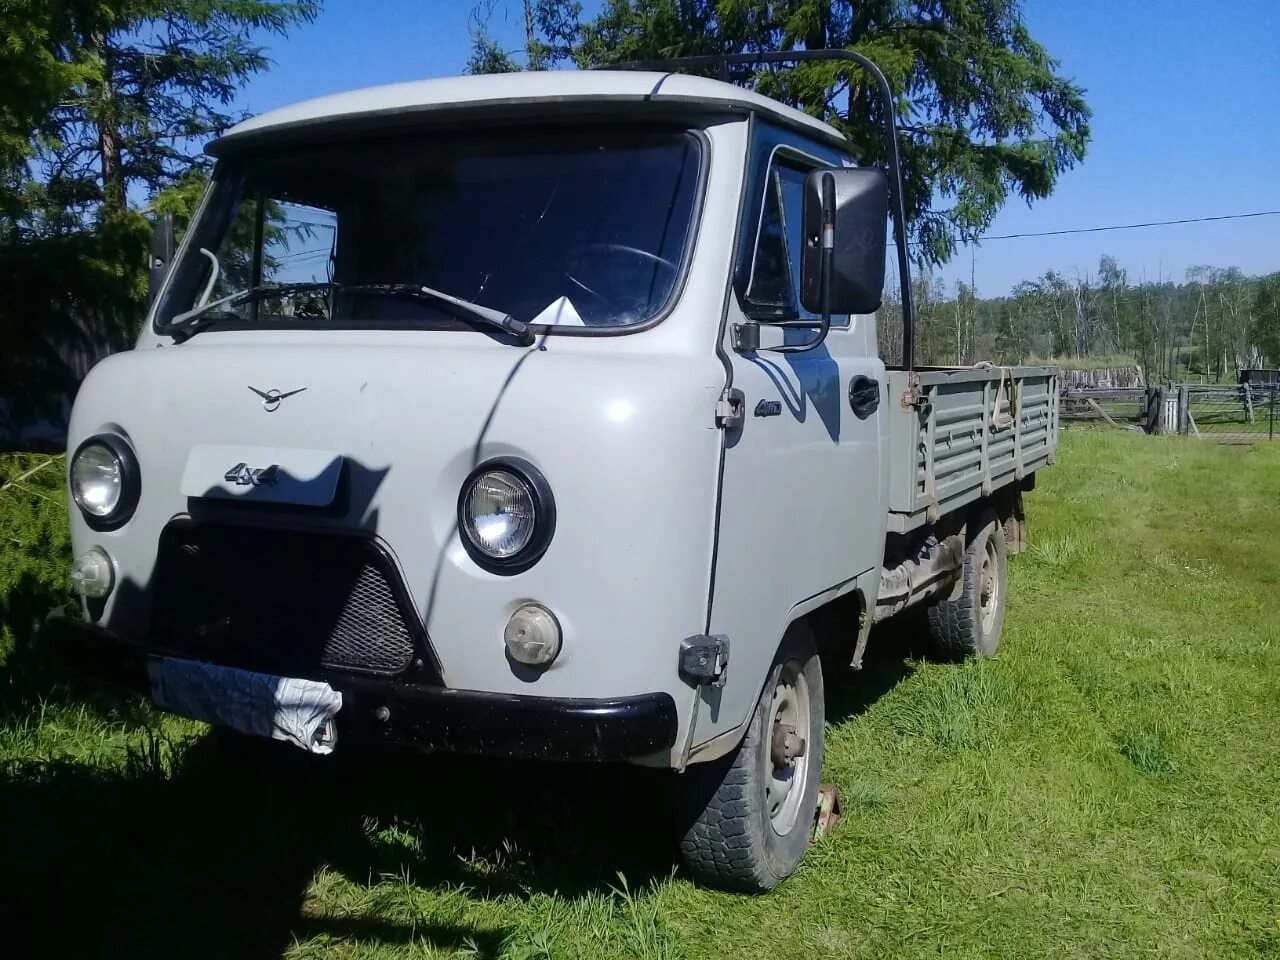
246 476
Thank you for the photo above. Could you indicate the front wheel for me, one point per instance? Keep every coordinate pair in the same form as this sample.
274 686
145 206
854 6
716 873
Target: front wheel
749 815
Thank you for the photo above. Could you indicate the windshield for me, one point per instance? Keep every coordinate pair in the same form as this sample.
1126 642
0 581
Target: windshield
583 229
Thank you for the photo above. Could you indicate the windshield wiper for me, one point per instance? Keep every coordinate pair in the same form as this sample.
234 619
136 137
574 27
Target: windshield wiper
465 309
188 323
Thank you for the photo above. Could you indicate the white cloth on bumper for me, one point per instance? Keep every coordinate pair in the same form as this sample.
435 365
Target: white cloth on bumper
283 708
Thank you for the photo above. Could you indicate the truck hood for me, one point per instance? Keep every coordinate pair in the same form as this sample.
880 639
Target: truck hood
626 441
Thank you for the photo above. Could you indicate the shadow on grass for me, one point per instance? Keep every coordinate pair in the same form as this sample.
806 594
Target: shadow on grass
892 649
209 851
213 858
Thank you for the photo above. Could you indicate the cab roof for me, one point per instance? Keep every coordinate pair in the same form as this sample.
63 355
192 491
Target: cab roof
495 95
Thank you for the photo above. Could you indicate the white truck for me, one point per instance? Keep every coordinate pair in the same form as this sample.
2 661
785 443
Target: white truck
542 416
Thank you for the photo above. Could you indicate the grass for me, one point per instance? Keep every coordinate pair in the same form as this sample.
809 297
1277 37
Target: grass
1106 787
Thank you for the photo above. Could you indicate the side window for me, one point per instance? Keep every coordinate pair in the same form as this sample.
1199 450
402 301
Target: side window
297 241
773 292
791 183
770 284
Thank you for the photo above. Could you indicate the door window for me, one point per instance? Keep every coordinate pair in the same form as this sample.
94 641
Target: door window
773 291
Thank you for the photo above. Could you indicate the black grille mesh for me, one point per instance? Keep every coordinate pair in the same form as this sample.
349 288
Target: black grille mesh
278 601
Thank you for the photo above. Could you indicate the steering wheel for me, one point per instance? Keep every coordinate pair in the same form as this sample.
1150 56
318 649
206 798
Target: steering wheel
311 308
624 249
616 302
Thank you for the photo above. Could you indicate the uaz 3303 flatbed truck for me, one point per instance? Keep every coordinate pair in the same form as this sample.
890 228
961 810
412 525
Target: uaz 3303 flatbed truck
542 416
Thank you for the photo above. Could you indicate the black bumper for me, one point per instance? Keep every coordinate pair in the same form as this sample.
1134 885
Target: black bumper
429 717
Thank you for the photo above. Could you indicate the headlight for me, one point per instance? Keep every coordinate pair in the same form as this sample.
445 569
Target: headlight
506 515
105 481
499 514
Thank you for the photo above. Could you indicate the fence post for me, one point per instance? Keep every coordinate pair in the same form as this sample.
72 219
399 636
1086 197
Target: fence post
1271 419
1184 409
1169 419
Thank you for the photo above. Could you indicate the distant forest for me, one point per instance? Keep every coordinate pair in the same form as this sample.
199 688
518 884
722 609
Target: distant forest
1214 322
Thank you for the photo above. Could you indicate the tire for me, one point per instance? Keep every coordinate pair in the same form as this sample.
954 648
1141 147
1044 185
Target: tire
741 830
970 625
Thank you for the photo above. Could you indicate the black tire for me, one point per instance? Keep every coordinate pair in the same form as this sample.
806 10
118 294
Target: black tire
970 625
730 840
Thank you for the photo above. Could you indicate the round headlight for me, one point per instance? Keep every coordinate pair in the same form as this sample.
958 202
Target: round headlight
506 515
104 480
499 514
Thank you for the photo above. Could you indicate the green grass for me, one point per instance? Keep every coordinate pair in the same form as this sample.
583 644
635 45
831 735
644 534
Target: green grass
1106 787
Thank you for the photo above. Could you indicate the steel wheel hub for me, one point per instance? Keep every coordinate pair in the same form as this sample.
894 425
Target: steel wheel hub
787 759
989 586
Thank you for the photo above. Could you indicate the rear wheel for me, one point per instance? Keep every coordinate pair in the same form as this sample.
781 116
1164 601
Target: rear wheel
748 816
970 625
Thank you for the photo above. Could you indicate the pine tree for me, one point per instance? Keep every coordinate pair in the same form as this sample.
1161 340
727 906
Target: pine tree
983 113
104 108
153 80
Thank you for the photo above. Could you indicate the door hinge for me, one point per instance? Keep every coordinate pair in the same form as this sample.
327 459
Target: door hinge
731 409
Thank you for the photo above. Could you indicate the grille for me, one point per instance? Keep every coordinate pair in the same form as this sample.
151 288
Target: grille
279 601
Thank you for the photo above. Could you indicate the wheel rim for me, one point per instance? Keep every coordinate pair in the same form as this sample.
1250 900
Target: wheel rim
787 757
989 586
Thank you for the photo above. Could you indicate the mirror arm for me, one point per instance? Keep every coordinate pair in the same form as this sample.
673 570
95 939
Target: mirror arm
828 241
213 278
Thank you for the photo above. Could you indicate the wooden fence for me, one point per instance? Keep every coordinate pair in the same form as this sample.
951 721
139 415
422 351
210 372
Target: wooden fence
1228 413
1132 407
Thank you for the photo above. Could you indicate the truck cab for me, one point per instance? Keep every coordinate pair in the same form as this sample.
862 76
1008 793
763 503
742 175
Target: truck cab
501 414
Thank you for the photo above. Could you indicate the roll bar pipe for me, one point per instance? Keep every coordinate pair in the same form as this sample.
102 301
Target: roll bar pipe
898 208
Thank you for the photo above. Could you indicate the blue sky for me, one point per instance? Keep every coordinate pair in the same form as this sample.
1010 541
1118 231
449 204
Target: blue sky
1185 95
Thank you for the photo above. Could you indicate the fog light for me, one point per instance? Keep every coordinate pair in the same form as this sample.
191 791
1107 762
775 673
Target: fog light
92 574
532 635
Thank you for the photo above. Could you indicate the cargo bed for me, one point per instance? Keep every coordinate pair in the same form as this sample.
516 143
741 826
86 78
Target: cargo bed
956 434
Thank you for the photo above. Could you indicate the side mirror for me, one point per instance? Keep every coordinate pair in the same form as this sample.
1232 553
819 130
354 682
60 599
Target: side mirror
161 254
859 226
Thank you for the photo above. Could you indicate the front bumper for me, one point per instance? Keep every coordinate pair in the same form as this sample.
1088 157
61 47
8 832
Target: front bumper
434 718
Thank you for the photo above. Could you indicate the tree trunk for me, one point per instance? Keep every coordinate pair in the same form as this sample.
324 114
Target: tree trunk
533 49
113 188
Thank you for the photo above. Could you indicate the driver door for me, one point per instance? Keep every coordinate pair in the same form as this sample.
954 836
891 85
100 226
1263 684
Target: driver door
802 505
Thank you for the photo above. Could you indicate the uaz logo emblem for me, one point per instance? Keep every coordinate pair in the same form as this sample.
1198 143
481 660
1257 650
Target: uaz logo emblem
271 398
244 475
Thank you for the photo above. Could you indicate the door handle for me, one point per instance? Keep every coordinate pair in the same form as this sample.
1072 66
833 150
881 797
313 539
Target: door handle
864 396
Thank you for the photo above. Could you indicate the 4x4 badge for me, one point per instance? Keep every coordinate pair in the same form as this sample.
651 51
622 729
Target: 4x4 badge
246 476
271 398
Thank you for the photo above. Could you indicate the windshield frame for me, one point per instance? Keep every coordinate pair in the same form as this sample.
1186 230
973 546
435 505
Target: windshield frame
226 173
